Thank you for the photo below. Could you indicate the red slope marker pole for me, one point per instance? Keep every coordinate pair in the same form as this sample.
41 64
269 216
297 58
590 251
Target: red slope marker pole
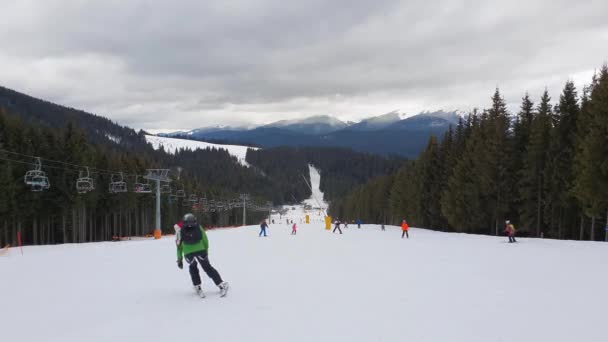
19 241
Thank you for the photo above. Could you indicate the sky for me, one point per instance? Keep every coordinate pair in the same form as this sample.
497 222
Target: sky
175 65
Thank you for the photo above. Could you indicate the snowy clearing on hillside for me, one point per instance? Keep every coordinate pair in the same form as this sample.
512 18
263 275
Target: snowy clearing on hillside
171 145
316 198
364 285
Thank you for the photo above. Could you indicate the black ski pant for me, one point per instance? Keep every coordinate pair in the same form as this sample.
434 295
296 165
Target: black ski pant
338 228
512 238
405 233
202 258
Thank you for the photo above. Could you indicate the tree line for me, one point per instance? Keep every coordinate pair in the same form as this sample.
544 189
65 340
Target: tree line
341 169
544 168
60 214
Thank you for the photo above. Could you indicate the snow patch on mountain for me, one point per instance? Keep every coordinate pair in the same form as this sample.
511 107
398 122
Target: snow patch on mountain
171 145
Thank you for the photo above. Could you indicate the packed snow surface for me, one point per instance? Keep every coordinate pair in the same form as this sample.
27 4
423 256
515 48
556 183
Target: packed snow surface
364 285
316 200
171 145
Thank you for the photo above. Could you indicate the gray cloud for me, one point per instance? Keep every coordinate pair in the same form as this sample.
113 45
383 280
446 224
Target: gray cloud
172 65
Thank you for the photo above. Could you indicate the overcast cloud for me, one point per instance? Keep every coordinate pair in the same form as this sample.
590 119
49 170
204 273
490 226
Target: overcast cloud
167 65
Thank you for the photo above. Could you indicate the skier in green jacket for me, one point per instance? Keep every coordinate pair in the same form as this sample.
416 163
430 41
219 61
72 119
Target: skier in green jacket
192 243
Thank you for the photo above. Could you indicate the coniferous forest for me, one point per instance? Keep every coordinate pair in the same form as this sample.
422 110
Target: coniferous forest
544 168
69 141
61 214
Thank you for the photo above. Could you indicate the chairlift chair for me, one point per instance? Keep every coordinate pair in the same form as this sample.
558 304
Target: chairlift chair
84 183
39 183
165 189
180 193
142 188
118 185
193 199
36 178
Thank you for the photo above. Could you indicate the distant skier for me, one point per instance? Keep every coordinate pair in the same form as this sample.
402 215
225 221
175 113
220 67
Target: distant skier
510 230
294 229
263 227
359 223
405 228
192 243
345 223
383 229
337 226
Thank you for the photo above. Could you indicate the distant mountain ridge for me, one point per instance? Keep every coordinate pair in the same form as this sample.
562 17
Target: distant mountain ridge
389 134
320 124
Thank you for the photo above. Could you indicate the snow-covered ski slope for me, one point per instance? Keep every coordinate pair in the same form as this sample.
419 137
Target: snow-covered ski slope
364 285
316 200
173 144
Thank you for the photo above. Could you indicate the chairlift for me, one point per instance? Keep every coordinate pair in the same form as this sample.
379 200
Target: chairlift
36 178
84 183
142 188
180 193
165 189
118 185
39 183
193 199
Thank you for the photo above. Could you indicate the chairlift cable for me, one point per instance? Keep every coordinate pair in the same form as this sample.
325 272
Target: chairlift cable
80 167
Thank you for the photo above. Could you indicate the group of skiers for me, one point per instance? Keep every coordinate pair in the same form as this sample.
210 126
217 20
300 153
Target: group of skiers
264 226
193 245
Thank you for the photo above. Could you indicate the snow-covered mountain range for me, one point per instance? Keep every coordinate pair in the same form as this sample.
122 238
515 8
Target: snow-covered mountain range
323 124
391 133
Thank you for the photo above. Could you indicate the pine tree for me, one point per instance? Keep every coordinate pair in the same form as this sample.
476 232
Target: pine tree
495 161
561 208
591 182
532 174
461 202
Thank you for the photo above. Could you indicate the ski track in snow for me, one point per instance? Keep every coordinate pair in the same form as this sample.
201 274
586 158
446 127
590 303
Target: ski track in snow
171 145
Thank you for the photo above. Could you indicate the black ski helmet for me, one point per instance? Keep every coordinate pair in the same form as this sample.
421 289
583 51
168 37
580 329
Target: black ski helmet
189 220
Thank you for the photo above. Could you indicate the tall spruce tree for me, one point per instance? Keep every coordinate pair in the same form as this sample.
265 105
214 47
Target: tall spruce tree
532 174
591 181
461 202
495 162
561 208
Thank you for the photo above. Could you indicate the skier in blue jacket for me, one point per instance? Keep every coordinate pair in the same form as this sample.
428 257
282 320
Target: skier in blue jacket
263 227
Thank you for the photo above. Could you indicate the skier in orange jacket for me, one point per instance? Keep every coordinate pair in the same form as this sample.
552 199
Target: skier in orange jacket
405 228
